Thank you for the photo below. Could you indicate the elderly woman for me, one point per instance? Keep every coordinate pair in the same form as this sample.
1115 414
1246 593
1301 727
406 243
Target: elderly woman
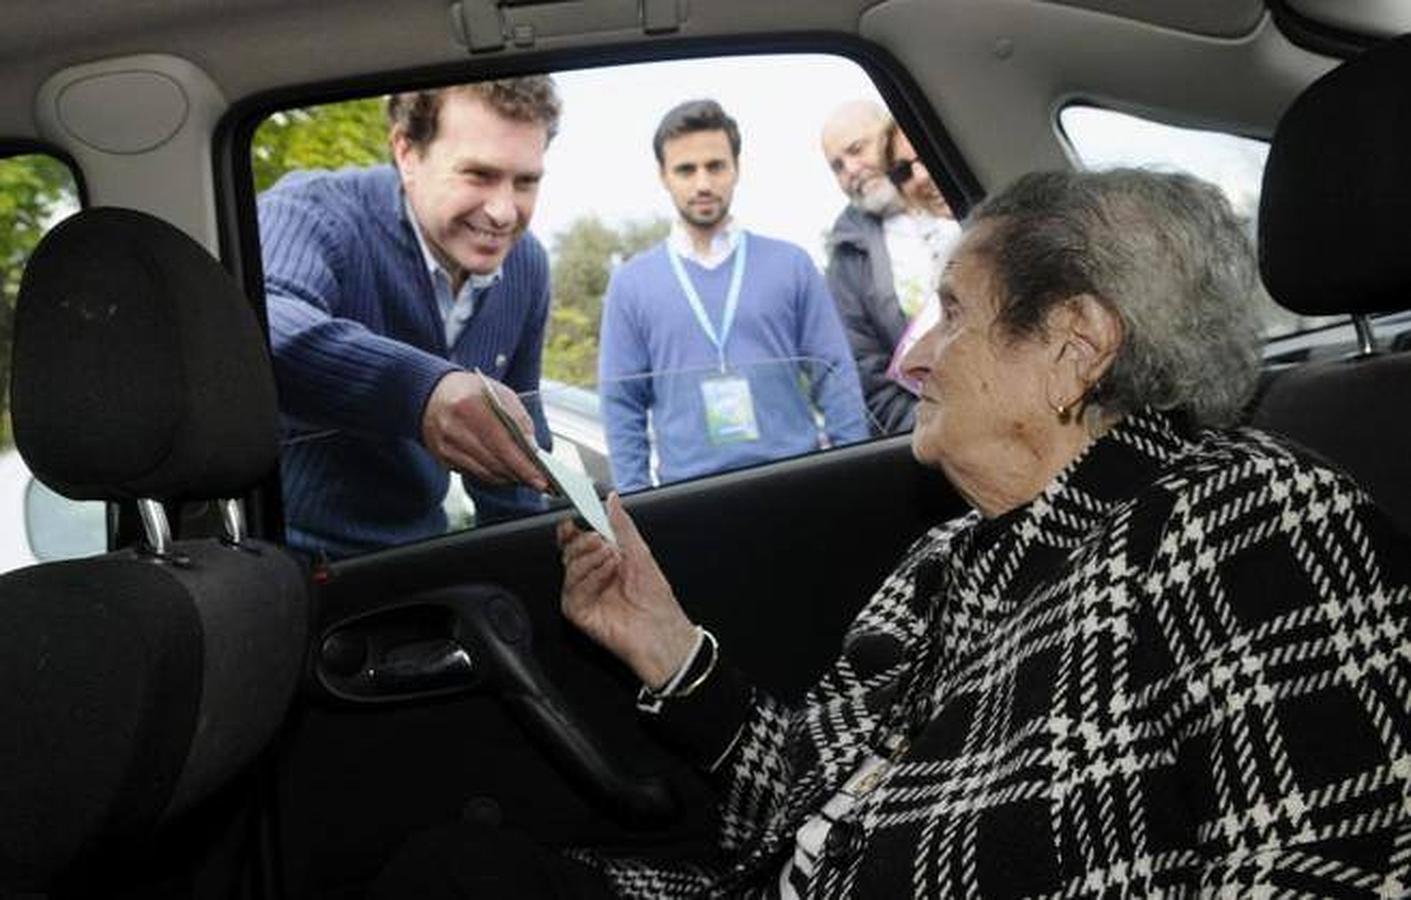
1159 656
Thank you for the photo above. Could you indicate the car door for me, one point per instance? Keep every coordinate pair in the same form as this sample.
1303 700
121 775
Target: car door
775 561
427 702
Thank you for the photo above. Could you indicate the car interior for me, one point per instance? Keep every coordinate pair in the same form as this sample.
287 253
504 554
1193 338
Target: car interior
199 711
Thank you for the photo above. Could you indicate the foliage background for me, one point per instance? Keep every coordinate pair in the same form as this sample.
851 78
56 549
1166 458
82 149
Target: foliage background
353 133
583 258
35 192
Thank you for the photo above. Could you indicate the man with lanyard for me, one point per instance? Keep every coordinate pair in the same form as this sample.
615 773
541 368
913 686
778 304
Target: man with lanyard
386 287
729 341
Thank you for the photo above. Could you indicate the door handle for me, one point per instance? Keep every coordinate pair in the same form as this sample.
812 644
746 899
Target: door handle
420 666
407 652
479 637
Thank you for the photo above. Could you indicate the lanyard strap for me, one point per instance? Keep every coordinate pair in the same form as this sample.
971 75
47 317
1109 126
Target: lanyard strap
732 297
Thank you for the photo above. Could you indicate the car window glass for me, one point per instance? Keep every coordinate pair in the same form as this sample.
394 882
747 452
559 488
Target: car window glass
60 528
586 432
343 299
36 192
1104 138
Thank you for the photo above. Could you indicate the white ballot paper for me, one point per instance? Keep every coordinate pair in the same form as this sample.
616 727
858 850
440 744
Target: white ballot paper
576 487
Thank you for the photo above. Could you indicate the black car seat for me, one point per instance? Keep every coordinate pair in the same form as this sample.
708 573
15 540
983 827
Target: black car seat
1335 237
137 683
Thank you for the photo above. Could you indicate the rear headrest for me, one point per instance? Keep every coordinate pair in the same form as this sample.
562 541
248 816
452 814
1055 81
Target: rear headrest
138 367
1336 204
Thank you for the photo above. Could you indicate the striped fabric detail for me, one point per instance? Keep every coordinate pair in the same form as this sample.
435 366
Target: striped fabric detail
358 345
1184 669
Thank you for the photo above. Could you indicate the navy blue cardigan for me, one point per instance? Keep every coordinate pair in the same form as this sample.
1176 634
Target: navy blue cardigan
358 347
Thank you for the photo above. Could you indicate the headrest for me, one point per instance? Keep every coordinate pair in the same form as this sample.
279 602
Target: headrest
138 367
1336 202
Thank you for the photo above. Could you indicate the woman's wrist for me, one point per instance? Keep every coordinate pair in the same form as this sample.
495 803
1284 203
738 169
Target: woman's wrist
695 670
665 658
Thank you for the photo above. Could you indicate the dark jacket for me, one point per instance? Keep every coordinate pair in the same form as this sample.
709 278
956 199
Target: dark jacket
860 277
1181 670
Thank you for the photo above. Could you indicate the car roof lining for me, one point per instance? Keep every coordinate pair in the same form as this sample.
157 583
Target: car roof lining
1373 18
995 72
251 46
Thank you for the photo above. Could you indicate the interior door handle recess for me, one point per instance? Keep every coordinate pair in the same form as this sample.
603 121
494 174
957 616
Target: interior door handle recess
479 637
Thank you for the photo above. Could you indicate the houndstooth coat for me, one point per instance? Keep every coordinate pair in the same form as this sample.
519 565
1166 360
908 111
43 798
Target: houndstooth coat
1184 668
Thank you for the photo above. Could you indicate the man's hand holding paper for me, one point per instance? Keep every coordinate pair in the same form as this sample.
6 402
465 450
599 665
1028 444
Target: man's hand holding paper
464 431
557 477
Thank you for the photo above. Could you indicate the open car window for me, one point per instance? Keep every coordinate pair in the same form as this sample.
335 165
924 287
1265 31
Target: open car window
617 393
750 414
1105 138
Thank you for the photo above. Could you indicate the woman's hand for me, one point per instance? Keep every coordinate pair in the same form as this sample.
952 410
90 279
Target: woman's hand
619 598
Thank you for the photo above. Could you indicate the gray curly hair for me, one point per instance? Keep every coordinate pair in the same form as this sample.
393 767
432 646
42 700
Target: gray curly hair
1164 251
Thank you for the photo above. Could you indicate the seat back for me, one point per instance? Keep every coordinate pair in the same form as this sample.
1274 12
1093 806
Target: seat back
138 682
1333 220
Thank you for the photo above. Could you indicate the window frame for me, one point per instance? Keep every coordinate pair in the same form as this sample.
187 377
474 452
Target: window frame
234 184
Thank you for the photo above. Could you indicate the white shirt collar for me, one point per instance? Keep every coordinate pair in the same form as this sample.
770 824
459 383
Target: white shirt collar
476 281
722 243
910 223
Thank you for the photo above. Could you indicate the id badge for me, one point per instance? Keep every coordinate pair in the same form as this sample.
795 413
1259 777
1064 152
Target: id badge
729 410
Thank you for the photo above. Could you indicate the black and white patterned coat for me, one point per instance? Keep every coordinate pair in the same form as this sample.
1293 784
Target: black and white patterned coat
1184 668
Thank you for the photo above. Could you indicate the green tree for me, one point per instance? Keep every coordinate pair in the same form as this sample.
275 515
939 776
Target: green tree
352 133
584 255
35 191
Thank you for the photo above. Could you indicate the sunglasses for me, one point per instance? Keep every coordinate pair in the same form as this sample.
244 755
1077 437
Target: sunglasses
900 172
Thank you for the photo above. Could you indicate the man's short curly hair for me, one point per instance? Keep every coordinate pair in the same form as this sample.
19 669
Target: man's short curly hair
531 98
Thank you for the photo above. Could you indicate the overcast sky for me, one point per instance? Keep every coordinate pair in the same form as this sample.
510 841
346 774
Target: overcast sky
602 160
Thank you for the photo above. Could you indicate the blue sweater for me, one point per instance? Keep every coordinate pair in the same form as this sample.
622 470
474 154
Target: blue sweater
786 340
358 346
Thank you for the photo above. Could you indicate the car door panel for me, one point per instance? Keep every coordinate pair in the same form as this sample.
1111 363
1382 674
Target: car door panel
775 560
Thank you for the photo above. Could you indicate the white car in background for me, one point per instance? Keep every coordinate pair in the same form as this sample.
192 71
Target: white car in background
50 526
54 527
576 422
